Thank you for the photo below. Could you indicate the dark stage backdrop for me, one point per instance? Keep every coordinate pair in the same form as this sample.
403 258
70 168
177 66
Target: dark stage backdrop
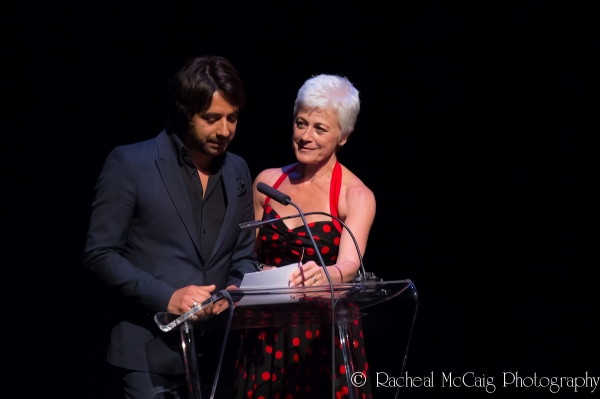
473 135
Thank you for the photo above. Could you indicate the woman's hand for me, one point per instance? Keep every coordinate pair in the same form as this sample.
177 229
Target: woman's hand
306 275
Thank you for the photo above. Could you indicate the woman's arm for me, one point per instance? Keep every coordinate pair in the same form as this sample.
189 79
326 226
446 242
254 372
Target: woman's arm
358 206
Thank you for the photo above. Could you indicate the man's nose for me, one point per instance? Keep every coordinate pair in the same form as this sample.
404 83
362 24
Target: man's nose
224 128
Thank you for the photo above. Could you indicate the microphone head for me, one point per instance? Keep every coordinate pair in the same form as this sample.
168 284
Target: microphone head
273 193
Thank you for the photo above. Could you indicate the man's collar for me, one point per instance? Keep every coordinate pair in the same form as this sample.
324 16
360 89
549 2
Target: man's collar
184 156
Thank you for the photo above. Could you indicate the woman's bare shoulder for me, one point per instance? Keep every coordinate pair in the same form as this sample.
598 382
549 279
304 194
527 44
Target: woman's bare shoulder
355 195
352 184
270 175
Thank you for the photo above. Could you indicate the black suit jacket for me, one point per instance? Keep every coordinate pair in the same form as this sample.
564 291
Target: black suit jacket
143 244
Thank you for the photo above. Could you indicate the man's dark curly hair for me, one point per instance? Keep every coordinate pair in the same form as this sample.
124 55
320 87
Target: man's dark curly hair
191 89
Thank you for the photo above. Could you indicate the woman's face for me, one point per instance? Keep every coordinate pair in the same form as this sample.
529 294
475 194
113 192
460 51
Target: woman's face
316 135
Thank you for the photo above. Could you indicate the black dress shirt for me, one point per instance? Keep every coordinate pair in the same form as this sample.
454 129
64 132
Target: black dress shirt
209 208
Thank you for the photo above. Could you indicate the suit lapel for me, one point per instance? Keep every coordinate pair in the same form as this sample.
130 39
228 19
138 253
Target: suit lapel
169 169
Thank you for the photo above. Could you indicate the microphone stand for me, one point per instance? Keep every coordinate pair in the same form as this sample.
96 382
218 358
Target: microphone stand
285 200
258 223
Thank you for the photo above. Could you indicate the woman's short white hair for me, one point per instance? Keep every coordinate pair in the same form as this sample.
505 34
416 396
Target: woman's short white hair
334 93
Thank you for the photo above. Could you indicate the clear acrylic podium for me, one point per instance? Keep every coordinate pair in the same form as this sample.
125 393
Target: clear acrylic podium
277 307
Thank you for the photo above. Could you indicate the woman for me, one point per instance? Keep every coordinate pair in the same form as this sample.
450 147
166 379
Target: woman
293 361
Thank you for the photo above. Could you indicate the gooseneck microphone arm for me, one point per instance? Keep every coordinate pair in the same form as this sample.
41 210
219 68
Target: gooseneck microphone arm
258 223
285 200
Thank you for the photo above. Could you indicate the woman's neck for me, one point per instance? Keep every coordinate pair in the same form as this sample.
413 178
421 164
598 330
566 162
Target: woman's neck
308 173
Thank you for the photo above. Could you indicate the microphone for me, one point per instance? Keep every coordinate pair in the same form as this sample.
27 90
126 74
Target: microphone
277 195
285 200
363 275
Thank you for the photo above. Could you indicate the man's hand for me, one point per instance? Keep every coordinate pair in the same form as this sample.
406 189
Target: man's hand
222 304
184 298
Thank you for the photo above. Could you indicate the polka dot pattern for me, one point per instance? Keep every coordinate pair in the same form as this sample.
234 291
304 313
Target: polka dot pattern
297 365
285 245
294 362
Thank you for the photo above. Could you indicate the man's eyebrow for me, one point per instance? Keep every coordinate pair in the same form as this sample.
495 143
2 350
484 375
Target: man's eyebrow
218 113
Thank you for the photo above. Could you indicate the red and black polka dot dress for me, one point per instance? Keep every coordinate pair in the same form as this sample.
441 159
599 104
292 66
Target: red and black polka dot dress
295 361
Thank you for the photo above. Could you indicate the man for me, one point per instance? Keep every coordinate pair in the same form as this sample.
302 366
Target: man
164 231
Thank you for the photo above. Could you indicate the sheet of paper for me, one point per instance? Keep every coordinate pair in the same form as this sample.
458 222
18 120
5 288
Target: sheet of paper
274 278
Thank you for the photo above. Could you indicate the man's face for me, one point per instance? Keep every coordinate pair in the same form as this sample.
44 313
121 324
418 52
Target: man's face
212 130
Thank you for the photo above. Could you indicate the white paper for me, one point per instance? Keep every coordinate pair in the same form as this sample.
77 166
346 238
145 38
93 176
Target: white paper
273 278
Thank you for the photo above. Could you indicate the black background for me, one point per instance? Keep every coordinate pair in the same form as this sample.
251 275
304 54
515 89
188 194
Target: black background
474 135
